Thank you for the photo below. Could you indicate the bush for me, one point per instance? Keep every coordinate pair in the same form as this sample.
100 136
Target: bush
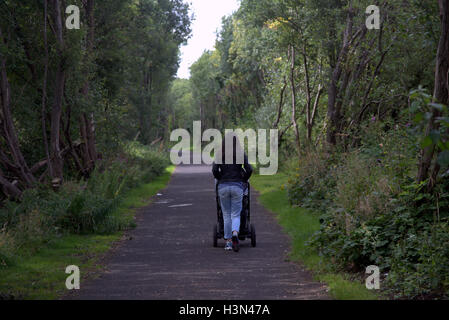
363 191
375 214
6 249
314 180
420 264
148 161
79 207
408 242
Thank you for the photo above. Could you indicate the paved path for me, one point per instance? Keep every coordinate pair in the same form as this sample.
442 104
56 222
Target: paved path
170 254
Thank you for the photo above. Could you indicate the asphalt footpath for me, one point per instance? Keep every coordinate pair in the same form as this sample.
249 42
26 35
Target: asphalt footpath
170 256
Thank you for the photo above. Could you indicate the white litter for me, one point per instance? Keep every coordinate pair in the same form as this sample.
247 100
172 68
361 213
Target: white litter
180 205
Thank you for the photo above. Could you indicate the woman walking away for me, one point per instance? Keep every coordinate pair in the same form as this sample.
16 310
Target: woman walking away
232 179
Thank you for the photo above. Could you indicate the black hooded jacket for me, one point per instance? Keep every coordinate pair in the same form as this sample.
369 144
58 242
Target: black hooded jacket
232 172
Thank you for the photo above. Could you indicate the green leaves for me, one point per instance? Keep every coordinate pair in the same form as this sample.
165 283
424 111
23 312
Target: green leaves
444 121
443 158
435 136
422 109
438 106
426 142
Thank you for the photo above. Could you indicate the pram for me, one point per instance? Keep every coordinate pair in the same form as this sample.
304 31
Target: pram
247 229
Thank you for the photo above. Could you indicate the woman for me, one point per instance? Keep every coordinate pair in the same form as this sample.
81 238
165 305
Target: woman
232 181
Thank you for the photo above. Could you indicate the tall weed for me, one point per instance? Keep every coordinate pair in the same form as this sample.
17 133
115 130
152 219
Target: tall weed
79 207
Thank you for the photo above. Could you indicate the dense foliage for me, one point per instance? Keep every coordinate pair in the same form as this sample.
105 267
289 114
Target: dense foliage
71 100
79 207
70 97
363 139
362 116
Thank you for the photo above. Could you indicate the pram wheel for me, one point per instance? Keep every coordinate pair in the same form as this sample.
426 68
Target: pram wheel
253 236
215 237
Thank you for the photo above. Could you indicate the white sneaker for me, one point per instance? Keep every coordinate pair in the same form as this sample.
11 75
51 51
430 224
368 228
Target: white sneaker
228 246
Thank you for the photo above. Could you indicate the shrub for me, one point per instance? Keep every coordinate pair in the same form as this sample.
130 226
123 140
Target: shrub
6 248
80 207
420 264
374 213
313 180
409 242
363 190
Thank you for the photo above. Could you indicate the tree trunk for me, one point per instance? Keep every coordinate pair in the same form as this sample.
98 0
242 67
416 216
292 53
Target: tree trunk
441 94
292 83
44 92
313 115
8 128
281 104
86 157
333 110
9 189
87 122
308 95
56 112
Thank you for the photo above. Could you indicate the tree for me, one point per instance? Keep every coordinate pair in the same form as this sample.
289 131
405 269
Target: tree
68 96
441 95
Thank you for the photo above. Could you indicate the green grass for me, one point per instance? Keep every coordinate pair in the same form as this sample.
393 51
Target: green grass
42 275
300 224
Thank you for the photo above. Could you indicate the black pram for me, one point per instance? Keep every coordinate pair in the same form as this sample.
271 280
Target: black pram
247 229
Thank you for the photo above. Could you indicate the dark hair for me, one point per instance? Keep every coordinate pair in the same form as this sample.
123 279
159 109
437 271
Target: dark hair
235 148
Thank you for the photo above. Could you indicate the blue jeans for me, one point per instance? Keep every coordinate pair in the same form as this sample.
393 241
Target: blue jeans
231 205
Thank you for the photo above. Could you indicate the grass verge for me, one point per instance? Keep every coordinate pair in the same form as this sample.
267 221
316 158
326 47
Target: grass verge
42 275
300 224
